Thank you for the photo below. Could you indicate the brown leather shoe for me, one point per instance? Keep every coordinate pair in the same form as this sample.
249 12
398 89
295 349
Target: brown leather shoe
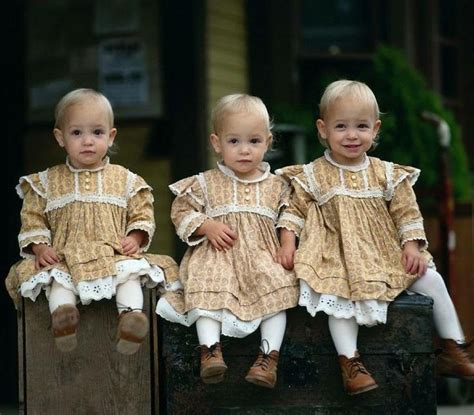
454 360
264 371
355 376
132 330
213 366
64 322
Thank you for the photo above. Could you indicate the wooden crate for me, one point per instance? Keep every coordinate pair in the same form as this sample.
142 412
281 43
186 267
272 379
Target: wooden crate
399 354
92 379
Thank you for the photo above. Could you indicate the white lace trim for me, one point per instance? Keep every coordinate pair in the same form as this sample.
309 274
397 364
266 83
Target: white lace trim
30 234
415 238
28 179
357 194
187 192
133 192
411 226
366 313
293 219
391 185
183 232
313 186
231 326
202 181
75 170
87 291
264 167
358 167
144 226
225 209
89 198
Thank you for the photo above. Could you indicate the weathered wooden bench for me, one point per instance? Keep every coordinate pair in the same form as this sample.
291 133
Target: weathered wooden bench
92 379
399 354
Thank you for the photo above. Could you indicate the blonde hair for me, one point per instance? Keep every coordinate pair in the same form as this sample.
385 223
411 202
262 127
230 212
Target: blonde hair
235 103
345 88
78 96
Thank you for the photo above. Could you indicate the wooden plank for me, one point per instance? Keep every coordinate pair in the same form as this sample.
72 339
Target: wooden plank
94 378
399 354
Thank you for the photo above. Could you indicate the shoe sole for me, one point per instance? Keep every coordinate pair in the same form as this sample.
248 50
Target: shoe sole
64 328
135 326
213 374
260 382
366 389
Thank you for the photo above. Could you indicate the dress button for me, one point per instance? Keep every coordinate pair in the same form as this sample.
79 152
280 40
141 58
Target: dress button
247 198
87 173
353 177
87 187
87 180
354 184
247 190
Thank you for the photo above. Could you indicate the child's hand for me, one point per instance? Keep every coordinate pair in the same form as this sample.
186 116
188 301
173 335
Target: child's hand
219 234
286 256
412 259
132 242
44 255
286 253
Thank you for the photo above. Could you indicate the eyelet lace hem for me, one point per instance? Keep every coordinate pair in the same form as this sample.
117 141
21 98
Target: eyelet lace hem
231 326
367 313
98 289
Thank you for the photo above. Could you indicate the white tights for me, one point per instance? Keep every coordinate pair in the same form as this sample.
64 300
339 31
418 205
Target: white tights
272 331
344 331
129 296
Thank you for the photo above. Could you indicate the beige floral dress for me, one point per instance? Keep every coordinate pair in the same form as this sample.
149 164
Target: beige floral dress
83 214
243 285
352 222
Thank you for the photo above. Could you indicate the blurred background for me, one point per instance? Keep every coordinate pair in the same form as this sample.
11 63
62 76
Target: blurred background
164 63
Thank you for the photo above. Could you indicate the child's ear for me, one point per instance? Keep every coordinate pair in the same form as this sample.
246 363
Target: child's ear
216 143
377 125
321 128
58 135
112 135
269 141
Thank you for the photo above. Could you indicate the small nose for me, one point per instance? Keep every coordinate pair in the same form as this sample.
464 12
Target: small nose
352 133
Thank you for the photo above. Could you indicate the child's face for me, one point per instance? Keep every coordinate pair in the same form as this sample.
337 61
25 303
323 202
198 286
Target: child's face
86 134
350 129
242 142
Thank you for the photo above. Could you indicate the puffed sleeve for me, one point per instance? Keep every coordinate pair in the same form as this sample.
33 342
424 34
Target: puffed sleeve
187 210
35 227
293 215
403 206
140 213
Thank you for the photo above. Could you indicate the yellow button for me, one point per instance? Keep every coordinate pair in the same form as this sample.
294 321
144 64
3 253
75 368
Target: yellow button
87 187
353 177
247 190
87 180
247 198
354 184
87 173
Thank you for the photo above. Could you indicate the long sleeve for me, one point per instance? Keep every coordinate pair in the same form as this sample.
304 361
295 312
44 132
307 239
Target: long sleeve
293 215
35 228
406 214
187 210
140 212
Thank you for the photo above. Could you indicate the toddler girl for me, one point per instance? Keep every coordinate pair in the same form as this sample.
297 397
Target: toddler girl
85 228
361 236
229 281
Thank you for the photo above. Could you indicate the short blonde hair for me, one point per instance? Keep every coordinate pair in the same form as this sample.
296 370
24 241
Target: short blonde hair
345 88
78 96
235 103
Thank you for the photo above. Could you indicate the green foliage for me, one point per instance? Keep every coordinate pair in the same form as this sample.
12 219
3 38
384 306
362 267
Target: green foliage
405 138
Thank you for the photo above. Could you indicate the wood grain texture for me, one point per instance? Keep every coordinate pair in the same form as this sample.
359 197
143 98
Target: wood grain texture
94 378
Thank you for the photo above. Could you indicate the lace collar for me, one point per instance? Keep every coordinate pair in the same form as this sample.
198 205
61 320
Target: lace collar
358 167
264 167
74 170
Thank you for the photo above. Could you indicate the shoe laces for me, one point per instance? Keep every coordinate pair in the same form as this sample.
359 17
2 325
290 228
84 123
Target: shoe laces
355 367
212 351
264 359
126 309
